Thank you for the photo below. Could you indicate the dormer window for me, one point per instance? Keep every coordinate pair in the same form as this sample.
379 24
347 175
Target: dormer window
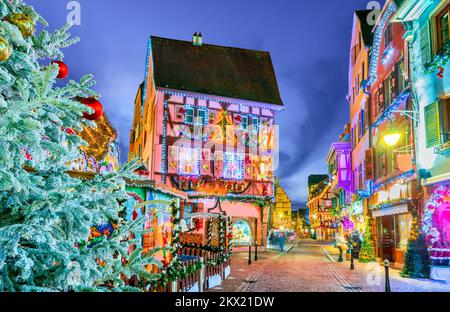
254 123
244 122
202 116
189 116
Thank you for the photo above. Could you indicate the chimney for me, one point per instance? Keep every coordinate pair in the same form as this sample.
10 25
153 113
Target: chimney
197 39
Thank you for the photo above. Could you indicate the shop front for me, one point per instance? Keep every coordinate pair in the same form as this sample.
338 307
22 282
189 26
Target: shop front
249 220
392 232
436 225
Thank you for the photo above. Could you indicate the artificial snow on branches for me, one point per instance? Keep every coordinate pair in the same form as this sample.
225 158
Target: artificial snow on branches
45 214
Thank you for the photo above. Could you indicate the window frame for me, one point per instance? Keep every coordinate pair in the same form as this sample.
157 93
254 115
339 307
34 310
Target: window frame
189 117
204 122
237 175
439 40
181 158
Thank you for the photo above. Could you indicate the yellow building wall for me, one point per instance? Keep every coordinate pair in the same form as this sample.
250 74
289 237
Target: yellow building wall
281 217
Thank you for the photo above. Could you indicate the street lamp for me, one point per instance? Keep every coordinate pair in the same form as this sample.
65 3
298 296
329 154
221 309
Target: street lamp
392 138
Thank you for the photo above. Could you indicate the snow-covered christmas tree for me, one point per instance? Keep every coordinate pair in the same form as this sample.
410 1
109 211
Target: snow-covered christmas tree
45 214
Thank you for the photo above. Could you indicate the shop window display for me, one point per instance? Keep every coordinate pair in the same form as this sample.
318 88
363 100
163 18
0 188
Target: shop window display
403 230
436 223
242 234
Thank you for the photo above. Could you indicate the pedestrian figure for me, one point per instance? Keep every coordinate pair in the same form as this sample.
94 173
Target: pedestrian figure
341 244
281 241
356 240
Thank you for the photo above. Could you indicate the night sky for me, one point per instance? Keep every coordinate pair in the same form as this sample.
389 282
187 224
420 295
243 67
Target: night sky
309 43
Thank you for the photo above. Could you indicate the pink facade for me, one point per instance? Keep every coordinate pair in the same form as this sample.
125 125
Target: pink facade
212 146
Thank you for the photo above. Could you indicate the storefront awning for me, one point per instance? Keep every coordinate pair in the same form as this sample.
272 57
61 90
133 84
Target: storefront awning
390 211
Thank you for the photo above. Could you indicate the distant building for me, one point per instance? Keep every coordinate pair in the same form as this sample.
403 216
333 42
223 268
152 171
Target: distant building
282 214
320 204
101 154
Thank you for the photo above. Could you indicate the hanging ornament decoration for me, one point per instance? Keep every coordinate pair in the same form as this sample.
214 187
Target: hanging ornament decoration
95 105
5 49
63 69
440 73
24 22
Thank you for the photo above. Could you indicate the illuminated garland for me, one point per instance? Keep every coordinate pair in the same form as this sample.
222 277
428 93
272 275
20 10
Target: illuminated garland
389 204
439 60
147 64
404 177
271 107
164 143
401 99
377 42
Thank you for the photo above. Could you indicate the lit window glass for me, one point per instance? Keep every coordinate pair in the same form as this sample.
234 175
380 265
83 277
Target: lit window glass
233 166
189 161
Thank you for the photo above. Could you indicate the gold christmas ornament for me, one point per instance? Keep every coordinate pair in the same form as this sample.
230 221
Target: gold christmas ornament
24 22
5 49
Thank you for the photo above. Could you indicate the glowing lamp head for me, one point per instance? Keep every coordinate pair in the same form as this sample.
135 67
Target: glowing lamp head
391 138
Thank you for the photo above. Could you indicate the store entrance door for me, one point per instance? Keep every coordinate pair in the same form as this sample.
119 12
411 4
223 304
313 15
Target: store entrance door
388 244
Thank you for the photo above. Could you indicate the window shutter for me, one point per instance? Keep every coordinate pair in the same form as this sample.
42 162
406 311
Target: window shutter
206 162
218 164
369 165
248 167
425 47
433 131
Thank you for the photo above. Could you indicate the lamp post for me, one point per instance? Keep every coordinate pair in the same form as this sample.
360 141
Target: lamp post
387 284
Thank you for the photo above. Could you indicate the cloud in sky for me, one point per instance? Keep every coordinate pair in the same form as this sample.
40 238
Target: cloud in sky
308 41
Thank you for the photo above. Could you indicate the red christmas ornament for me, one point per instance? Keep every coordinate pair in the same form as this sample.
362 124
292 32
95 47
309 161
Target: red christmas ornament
440 74
135 215
63 69
96 106
70 131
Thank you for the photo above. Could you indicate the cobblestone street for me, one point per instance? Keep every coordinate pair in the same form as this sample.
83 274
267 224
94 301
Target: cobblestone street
312 267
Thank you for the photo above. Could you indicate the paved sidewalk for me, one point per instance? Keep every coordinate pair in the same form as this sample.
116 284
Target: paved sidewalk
312 266
371 276
241 272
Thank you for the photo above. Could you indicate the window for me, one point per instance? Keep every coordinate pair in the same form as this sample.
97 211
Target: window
403 226
352 138
362 127
443 27
244 123
189 116
202 116
381 165
360 177
187 215
255 123
233 165
363 71
189 161
366 118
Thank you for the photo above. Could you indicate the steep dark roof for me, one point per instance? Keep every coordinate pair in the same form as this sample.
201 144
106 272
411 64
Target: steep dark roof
216 70
316 179
366 29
